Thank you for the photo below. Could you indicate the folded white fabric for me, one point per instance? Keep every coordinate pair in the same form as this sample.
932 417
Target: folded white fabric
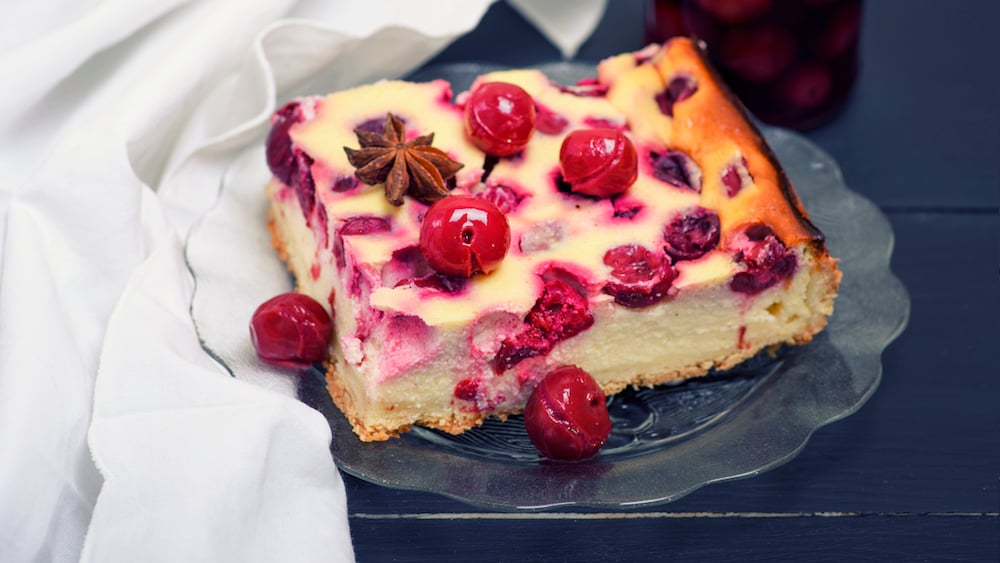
120 438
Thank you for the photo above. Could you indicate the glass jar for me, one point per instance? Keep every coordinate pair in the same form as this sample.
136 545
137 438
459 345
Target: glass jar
791 62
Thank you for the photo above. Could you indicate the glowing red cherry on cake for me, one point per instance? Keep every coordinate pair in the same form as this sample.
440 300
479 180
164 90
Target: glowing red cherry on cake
598 162
291 329
463 235
499 118
566 416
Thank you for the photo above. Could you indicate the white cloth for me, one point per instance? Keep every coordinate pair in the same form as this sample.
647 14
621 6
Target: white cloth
120 438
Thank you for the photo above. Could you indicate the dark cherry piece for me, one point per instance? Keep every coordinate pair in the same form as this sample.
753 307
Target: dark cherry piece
357 225
464 235
639 277
291 329
766 260
409 266
559 313
280 157
732 177
677 169
625 208
290 164
691 234
566 416
680 88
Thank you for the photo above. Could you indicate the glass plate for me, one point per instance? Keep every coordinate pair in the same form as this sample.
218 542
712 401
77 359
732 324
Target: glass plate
667 441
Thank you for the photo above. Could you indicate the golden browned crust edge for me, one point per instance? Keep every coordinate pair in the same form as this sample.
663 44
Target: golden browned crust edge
757 138
725 114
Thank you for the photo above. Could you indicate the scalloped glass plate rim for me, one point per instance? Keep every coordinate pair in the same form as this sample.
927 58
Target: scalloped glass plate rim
813 385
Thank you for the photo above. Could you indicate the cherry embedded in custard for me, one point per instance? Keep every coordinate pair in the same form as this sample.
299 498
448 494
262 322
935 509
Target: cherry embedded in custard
691 234
364 224
682 87
598 162
280 151
505 197
357 225
677 169
463 235
566 416
639 277
766 261
291 330
549 122
499 118
560 312
289 163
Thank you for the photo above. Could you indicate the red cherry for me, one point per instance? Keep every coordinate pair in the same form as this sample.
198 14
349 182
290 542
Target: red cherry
292 330
463 235
499 118
598 162
566 416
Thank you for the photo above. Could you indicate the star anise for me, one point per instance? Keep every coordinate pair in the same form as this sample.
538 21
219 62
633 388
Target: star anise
413 167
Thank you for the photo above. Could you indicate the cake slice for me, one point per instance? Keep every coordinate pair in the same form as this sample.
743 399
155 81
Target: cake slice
697 257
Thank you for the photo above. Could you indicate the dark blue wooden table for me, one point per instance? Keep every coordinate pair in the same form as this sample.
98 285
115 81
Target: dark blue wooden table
913 475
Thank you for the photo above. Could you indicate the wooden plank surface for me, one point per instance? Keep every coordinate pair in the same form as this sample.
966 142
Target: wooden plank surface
687 537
